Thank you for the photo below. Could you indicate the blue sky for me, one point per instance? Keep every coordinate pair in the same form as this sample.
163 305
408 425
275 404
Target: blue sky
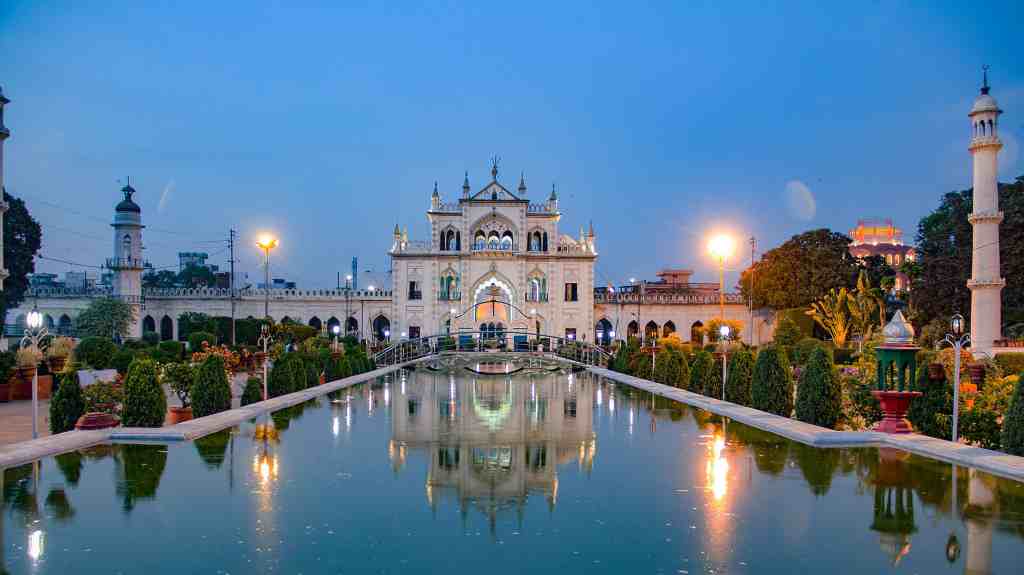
328 123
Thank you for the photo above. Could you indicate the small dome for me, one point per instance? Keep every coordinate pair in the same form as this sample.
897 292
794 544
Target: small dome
127 204
898 331
984 103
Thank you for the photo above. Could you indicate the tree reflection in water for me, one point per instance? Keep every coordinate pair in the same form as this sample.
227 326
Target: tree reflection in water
138 472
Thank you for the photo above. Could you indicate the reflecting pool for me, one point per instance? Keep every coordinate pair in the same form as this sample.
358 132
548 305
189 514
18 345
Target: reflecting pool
450 469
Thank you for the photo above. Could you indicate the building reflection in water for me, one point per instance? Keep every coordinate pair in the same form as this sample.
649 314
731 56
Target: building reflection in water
493 442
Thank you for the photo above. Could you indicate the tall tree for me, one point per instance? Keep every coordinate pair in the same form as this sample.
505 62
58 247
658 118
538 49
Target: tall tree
22 238
944 247
105 317
801 270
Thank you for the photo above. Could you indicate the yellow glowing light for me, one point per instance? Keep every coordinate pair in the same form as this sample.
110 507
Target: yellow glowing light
267 242
721 246
35 544
717 469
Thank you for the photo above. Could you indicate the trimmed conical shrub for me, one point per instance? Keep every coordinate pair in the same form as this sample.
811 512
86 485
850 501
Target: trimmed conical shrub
741 372
819 398
703 363
932 413
67 403
771 388
253 391
684 372
211 392
145 404
1013 422
667 367
713 381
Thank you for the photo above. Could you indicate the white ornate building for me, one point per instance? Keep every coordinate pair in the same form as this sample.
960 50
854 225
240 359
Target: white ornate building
495 262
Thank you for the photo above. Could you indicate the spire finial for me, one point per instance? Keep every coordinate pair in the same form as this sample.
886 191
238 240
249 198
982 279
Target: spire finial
494 167
435 188
554 193
984 79
522 182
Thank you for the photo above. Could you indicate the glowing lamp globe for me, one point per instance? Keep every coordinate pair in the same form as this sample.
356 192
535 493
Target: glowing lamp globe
724 330
267 242
957 325
336 329
721 246
34 319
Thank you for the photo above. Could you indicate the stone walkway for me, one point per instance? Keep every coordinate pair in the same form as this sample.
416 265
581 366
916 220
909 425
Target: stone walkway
16 420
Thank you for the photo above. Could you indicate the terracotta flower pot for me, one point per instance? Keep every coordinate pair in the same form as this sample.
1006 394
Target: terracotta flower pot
323 379
176 415
936 372
977 371
22 383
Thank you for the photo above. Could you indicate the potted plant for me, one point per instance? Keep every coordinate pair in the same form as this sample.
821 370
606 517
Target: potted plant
977 371
180 378
58 353
27 360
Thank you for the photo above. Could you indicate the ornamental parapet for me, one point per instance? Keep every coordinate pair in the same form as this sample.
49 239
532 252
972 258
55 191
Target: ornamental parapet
61 292
983 217
276 294
998 283
676 299
540 209
985 142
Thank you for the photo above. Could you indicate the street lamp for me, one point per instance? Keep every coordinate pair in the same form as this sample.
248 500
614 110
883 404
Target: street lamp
721 247
336 329
264 340
266 243
35 336
957 339
724 332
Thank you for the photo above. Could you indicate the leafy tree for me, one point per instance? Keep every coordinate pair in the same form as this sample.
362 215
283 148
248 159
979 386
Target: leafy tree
703 363
739 376
96 352
145 404
160 279
863 304
190 322
667 367
1013 422
105 317
832 313
877 270
788 332
67 403
801 270
197 338
771 388
22 238
714 329
196 276
932 413
211 392
819 396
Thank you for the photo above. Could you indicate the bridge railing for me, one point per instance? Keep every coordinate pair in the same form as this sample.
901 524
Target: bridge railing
476 341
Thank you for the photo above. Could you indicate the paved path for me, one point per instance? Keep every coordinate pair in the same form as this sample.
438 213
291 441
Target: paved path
16 420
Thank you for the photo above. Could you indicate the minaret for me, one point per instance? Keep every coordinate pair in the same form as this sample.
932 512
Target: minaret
553 199
465 186
4 134
127 262
986 283
522 185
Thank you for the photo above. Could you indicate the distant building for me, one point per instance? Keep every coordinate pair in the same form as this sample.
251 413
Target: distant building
79 281
277 283
43 280
198 259
879 237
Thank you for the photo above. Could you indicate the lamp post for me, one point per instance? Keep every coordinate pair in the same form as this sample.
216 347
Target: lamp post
264 340
266 243
957 340
724 332
721 247
636 294
336 329
35 334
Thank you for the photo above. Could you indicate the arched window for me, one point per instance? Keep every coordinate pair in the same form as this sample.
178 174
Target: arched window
493 241
315 323
668 329
480 241
166 328
506 241
382 328
535 241
64 325
544 242
632 330
651 331
148 324
126 247
603 332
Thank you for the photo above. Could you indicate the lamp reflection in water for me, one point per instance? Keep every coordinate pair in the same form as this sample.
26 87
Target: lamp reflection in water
36 541
717 468
720 522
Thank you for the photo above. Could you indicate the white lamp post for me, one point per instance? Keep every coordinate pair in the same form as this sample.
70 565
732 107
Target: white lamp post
35 334
721 247
266 243
724 331
336 329
264 340
957 339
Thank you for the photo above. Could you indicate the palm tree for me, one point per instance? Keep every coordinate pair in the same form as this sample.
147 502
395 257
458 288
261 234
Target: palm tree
832 313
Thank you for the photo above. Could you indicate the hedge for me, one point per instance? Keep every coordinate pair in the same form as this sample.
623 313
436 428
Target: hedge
211 392
819 397
713 380
151 337
282 380
1013 422
171 351
932 413
739 376
703 363
145 404
771 388
1010 362
253 391
95 352
196 339
667 367
122 359
66 404
800 354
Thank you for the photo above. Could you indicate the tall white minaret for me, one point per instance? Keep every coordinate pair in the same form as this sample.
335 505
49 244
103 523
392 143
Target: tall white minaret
986 283
4 134
127 262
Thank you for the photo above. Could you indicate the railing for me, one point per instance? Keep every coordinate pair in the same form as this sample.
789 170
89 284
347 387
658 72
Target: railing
328 294
125 263
688 299
450 296
539 209
537 298
476 341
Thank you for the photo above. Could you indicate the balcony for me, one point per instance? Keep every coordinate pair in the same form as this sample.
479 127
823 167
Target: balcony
125 263
450 296
541 298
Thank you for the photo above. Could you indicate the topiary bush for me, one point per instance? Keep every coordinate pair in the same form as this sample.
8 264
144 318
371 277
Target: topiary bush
739 376
666 367
771 388
67 403
713 380
171 351
287 375
932 413
211 392
787 332
95 352
702 365
196 339
800 354
819 396
253 391
122 359
145 404
1010 363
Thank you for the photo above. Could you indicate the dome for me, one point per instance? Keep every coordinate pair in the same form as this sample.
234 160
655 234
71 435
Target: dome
127 205
984 103
898 331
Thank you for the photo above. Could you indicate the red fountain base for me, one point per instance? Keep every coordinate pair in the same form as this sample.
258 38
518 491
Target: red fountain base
894 409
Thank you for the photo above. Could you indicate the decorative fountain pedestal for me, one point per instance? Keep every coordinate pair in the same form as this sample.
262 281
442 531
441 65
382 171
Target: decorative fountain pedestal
897 372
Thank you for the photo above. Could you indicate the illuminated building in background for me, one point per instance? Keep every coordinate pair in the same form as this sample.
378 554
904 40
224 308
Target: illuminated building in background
880 237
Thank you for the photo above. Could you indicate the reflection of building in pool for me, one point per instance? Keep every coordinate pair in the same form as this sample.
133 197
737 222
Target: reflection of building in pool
492 442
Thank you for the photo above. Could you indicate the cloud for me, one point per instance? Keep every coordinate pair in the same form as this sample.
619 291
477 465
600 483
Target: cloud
165 196
800 200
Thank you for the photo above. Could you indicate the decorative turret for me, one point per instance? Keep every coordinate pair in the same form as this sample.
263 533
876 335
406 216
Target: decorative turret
4 134
127 263
465 186
553 199
435 198
522 184
986 283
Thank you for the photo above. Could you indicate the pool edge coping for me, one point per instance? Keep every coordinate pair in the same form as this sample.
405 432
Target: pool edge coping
27 451
994 462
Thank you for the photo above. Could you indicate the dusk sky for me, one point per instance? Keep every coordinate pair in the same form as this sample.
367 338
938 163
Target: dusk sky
329 124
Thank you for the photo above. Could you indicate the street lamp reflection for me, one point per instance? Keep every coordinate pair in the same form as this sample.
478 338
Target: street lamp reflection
717 469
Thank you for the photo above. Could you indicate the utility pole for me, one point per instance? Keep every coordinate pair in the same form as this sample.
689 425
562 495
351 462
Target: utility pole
231 281
750 294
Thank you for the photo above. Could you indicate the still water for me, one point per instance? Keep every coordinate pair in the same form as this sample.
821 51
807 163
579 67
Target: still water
425 471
